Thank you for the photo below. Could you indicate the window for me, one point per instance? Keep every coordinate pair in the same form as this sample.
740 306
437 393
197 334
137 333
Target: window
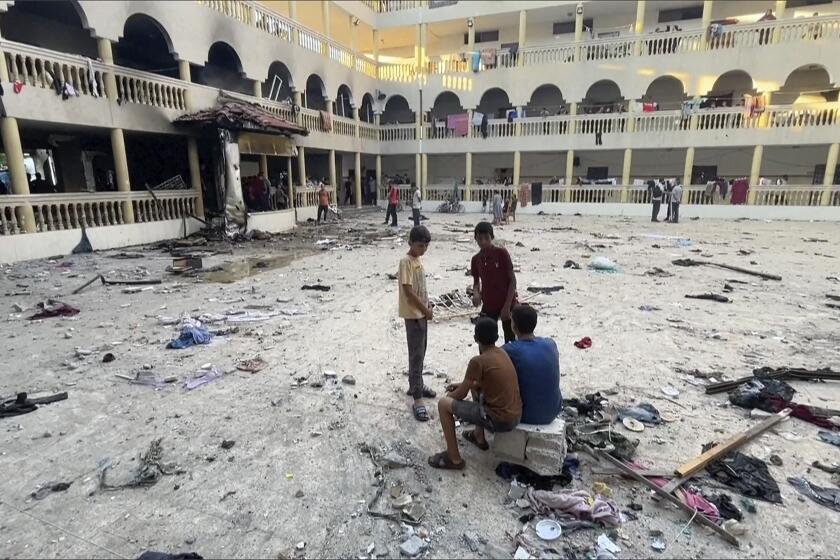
562 27
679 14
483 37
804 3
596 173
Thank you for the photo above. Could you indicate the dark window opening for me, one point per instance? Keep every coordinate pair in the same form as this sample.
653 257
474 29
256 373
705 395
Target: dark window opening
679 14
483 37
562 27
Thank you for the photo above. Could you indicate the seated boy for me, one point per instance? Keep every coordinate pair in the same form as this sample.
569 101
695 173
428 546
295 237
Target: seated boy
496 406
537 364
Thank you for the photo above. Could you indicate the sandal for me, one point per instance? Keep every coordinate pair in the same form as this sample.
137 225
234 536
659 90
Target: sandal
428 392
442 461
420 413
470 437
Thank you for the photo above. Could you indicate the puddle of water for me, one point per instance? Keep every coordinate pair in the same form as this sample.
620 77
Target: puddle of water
233 271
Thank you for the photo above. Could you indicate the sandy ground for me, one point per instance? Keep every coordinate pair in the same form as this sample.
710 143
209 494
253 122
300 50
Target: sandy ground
292 438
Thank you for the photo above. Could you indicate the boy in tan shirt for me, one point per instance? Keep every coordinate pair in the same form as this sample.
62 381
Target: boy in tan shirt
415 309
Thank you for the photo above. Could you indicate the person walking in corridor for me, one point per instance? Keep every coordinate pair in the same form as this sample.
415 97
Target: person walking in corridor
416 204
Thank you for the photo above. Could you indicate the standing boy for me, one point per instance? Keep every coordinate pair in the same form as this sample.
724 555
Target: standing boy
676 199
393 201
415 309
495 405
494 282
323 202
656 198
416 204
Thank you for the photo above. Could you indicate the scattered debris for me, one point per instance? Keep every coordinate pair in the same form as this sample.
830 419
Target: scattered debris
53 308
712 297
348 380
22 404
316 287
828 497
208 374
658 272
413 546
544 289
252 365
603 264
192 333
227 443
48 488
692 262
571 264
148 471
829 437
583 343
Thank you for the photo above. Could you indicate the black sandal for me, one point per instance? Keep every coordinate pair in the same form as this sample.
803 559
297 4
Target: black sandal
470 437
420 413
428 392
442 461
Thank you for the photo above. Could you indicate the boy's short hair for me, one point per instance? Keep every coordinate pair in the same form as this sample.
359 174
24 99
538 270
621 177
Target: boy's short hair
525 318
419 234
484 228
486 331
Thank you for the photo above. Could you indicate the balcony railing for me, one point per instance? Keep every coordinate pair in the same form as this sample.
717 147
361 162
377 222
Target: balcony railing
62 211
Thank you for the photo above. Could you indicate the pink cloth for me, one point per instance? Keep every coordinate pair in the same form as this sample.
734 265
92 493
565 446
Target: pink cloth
692 500
739 192
459 123
581 505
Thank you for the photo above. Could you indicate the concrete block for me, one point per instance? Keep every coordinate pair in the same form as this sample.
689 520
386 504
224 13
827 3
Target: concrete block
540 448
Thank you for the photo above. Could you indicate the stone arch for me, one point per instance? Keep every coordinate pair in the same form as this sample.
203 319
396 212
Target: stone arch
223 55
366 111
223 69
446 103
397 111
668 91
278 84
146 45
603 95
315 95
810 83
730 87
58 25
344 103
494 102
548 97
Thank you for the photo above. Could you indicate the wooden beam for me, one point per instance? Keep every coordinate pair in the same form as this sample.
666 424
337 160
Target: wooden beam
698 463
689 511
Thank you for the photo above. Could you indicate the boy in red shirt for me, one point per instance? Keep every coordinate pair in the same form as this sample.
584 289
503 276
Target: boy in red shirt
393 201
494 282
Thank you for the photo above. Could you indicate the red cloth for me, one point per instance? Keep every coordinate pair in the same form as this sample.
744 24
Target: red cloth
495 270
583 343
801 411
394 195
739 191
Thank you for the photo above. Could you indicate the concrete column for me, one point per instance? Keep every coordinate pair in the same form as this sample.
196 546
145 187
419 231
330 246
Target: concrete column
291 182
780 13
418 172
523 21
755 172
688 166
185 76
707 15
424 161
258 89
418 41
378 174
107 56
828 177
330 106
517 161
333 178
302 165
195 175
470 39
121 171
518 123
358 185
293 17
418 125
632 106
424 34
570 173
640 25
470 125
296 99
17 170
357 121
4 69
468 177
625 173
572 113
578 29
325 12
264 164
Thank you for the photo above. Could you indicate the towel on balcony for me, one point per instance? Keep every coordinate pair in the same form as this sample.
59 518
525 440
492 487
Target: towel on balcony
94 87
649 107
740 188
488 57
476 61
477 118
748 105
458 123
326 121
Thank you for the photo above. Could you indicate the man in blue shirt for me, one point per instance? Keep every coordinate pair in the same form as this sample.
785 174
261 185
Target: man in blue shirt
537 364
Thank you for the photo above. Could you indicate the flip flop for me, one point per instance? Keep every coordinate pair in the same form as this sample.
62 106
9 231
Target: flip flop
441 461
420 413
470 437
428 392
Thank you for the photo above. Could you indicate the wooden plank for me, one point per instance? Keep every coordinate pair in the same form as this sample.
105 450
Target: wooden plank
649 473
689 511
698 463
675 483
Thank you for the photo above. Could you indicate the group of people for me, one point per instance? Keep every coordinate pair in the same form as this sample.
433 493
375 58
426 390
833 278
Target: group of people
502 208
517 382
670 193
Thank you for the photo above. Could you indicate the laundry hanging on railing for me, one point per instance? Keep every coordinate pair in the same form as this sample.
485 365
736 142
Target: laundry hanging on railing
476 61
740 189
488 57
650 107
93 86
458 123
511 115
690 106
326 121
477 118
